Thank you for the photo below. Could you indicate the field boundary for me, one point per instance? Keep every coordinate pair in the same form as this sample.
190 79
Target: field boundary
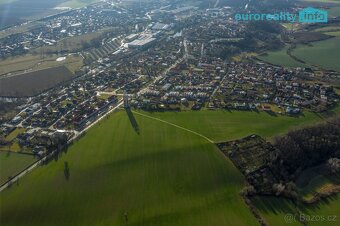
172 124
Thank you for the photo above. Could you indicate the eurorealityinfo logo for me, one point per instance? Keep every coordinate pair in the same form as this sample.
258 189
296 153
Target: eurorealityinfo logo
312 15
307 15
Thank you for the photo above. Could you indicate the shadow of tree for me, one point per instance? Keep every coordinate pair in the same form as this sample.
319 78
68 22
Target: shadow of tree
133 120
66 171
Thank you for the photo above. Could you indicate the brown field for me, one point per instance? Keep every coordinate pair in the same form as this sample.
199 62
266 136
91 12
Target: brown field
28 62
33 83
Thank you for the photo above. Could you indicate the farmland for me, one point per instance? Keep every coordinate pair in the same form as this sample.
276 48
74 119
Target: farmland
229 125
184 179
77 3
29 62
13 12
72 44
322 53
12 163
280 57
17 11
33 83
187 182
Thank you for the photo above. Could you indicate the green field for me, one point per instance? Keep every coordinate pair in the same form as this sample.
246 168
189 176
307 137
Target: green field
280 57
275 211
161 176
157 173
12 163
324 53
225 125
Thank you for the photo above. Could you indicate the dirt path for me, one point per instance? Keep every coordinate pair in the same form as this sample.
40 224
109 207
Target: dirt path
172 124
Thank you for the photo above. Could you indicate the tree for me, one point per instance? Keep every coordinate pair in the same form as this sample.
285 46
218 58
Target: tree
334 165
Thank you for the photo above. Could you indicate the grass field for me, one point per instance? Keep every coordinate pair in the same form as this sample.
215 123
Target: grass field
280 57
12 163
225 125
157 173
324 53
161 176
274 210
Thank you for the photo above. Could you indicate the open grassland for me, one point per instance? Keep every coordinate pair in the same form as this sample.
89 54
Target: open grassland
280 57
37 62
12 163
160 175
157 173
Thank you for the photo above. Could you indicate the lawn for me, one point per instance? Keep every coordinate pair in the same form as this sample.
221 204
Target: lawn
280 57
146 172
12 163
